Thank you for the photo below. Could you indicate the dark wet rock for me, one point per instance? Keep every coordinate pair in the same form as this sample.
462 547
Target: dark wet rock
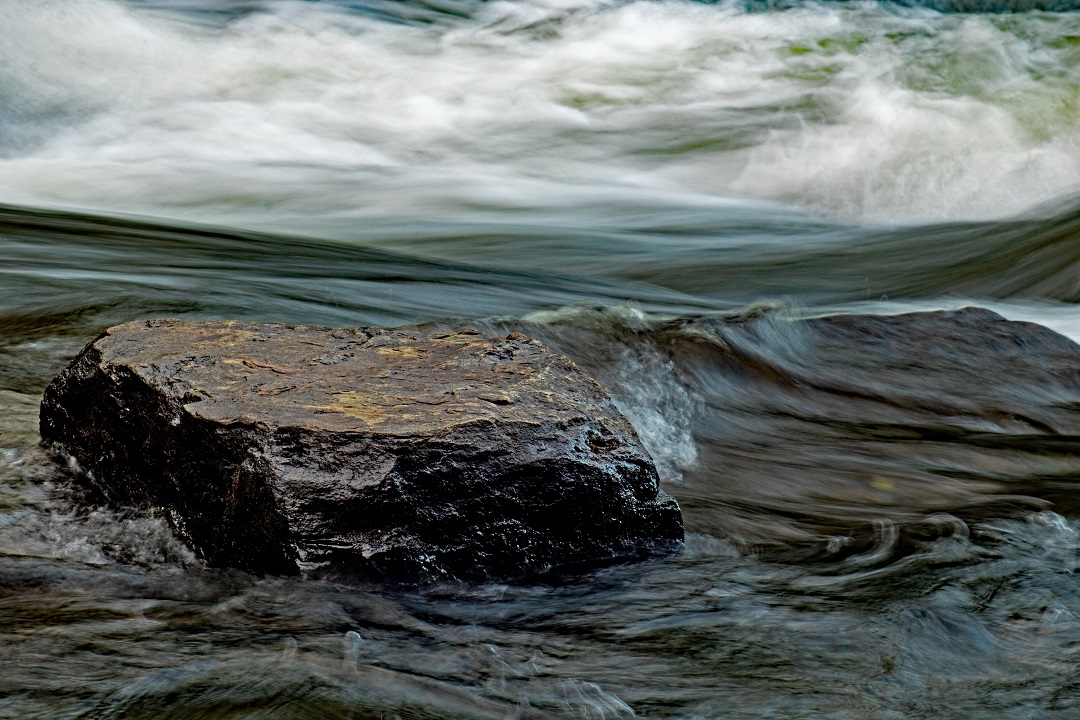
868 422
409 454
952 373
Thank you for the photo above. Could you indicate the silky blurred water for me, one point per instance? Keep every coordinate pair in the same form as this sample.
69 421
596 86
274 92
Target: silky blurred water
670 193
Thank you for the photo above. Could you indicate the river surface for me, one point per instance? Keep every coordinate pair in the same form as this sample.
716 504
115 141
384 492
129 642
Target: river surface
662 190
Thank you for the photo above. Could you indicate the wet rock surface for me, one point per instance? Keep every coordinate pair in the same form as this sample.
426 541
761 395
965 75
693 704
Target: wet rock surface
407 454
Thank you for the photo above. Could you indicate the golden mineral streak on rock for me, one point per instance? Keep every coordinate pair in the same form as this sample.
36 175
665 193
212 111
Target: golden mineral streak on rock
405 351
279 369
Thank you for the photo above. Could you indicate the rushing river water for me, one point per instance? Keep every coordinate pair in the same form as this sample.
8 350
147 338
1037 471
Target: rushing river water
662 190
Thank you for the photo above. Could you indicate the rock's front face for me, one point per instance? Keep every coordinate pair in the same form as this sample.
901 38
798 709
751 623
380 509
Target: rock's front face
408 454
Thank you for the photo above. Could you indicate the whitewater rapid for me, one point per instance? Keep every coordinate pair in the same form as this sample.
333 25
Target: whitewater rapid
313 116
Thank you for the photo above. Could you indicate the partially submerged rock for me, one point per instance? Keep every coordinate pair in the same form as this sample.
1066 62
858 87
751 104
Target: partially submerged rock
411 454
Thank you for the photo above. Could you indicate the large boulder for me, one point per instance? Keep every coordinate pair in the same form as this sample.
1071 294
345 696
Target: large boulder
408 454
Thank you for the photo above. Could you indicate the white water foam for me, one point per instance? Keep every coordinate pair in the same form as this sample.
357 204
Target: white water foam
305 110
660 409
644 386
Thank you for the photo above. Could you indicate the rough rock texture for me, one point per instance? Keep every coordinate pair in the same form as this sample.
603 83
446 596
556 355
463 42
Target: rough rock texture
408 454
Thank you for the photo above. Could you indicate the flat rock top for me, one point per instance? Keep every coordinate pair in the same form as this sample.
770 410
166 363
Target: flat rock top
356 379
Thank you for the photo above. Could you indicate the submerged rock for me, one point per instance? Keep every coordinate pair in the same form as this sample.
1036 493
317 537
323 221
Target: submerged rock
407 454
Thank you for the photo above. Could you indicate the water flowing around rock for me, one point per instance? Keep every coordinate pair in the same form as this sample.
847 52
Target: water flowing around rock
724 212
